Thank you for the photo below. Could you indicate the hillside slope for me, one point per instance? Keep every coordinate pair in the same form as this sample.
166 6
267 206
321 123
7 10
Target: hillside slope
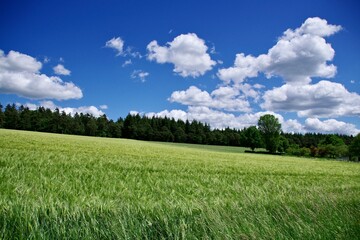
61 186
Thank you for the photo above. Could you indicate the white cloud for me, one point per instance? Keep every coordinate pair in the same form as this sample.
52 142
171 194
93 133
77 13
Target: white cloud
31 106
297 56
258 86
134 113
250 91
92 110
192 96
126 63
176 114
143 75
140 74
323 99
20 74
292 126
130 52
225 92
61 70
46 59
187 52
103 107
216 119
117 44
18 62
298 59
220 120
313 26
229 99
330 126
224 98
68 110
244 67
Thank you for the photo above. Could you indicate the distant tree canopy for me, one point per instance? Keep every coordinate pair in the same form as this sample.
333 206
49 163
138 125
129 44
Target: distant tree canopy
45 120
332 146
268 133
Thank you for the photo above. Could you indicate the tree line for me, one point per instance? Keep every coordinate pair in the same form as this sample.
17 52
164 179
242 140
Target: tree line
266 135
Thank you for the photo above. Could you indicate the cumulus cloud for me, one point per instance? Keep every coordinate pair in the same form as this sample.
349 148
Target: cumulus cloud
330 126
20 74
92 110
292 126
191 96
140 74
176 114
18 62
134 113
313 26
296 57
323 99
61 70
244 67
117 44
220 120
216 119
224 98
31 106
187 52
250 91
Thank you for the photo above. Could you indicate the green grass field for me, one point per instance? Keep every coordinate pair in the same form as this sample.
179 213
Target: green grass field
72 187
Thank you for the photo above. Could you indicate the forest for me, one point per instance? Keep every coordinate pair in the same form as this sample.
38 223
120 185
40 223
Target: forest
171 130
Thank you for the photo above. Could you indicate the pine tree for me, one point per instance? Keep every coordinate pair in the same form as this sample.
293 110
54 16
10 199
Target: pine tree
11 117
1 116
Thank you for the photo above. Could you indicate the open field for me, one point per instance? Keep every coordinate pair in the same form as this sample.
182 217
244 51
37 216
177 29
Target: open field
72 187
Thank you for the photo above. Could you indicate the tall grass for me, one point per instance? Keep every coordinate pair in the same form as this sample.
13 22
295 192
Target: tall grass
71 187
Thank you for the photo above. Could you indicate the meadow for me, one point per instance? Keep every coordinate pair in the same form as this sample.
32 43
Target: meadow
72 187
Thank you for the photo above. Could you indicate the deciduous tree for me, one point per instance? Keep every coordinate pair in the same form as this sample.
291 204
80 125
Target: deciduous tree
270 129
252 138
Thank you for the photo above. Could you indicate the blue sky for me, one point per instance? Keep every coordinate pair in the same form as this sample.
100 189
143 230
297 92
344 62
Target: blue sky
221 62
